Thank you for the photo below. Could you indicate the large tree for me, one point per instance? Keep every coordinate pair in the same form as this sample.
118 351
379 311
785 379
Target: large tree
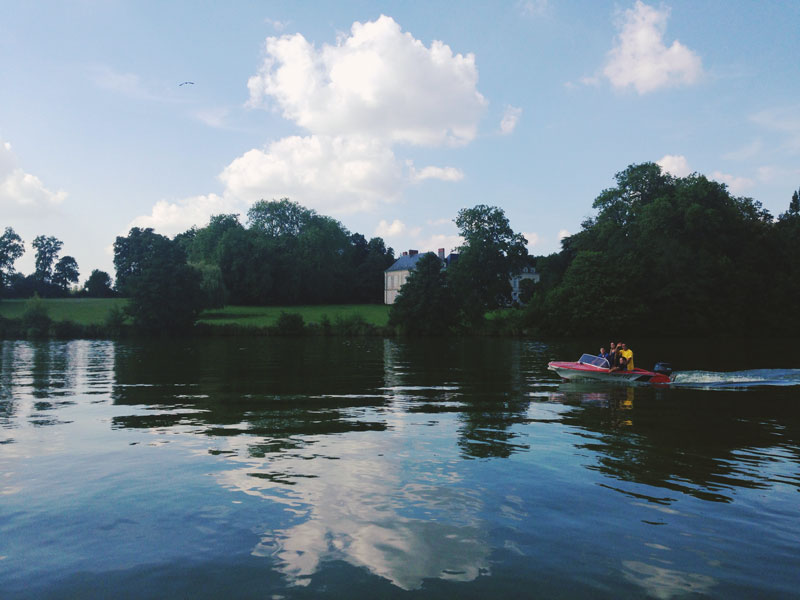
666 254
98 285
425 303
47 249
491 254
65 272
281 217
11 248
165 293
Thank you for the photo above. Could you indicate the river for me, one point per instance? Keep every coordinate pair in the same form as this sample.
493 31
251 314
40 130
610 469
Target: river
365 468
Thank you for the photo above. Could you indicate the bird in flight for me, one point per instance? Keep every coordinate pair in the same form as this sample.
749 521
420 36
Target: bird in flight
186 82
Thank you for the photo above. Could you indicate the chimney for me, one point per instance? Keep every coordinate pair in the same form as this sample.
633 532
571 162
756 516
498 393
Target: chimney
413 252
441 253
405 253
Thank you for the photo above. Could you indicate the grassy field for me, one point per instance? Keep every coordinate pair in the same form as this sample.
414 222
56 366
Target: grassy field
89 311
85 311
266 316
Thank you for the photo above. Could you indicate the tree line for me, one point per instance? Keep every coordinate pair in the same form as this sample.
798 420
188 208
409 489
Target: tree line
673 255
284 255
663 255
52 275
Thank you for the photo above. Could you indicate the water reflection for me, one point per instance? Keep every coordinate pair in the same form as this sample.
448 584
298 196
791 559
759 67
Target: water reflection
684 440
441 460
38 379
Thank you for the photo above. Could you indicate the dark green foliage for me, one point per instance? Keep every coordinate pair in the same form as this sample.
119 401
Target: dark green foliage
214 292
289 255
353 325
65 272
35 320
11 248
114 322
47 249
98 285
670 255
165 293
289 324
491 254
279 218
425 305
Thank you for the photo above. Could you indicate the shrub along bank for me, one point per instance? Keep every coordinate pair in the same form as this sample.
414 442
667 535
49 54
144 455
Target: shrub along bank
38 318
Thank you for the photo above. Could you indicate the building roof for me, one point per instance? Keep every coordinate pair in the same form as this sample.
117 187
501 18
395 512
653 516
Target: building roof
406 263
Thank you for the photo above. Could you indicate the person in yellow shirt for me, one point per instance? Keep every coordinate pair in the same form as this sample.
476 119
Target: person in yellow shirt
628 354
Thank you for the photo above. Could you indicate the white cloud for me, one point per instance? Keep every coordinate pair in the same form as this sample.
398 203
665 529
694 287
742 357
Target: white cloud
642 60
377 87
746 152
333 175
533 8
785 120
378 81
675 164
432 243
442 173
277 25
563 233
533 240
128 84
213 117
389 230
510 119
737 185
21 193
171 218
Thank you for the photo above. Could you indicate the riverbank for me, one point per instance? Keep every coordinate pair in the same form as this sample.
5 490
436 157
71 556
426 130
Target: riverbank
104 318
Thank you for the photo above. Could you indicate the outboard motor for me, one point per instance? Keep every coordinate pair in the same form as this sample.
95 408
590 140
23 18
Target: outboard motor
663 368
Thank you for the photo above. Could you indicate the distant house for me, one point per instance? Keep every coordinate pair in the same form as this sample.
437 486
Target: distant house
527 273
395 276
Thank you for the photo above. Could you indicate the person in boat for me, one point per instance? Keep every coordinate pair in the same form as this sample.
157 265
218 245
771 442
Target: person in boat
612 354
621 363
604 354
627 353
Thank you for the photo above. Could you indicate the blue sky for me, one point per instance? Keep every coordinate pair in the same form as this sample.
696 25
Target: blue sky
389 116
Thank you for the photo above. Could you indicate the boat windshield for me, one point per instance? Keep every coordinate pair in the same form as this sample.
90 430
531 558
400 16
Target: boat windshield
595 361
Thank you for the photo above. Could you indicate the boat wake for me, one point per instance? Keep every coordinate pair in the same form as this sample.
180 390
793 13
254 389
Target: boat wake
737 379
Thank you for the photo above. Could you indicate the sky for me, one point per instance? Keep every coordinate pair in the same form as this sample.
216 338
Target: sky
388 116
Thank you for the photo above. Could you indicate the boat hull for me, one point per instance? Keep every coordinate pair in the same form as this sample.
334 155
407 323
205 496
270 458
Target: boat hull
574 370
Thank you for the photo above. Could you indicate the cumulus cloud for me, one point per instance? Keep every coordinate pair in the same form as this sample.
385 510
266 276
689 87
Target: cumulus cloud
563 233
21 193
640 57
737 185
331 174
675 165
432 243
510 119
375 89
533 240
171 218
441 173
378 81
393 229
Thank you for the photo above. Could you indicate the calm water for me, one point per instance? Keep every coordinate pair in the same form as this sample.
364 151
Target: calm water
292 468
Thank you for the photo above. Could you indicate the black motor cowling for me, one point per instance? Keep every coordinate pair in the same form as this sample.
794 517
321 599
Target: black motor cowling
663 368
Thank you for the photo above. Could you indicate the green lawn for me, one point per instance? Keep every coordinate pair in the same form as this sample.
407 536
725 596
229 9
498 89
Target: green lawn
266 316
85 311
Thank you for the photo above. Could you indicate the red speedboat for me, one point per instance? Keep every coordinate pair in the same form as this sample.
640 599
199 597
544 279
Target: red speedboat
589 366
